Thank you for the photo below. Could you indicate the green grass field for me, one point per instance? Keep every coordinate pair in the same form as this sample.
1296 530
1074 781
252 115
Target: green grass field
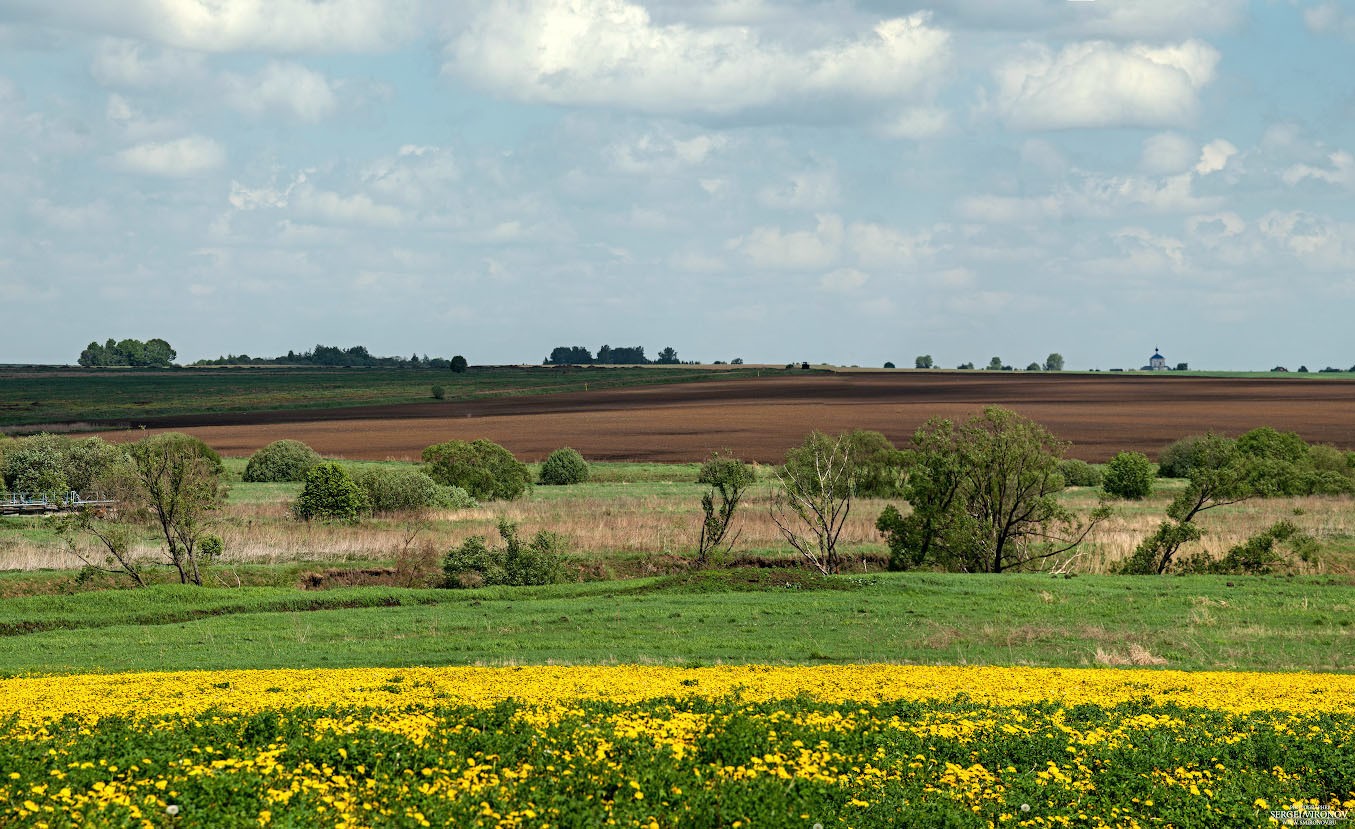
736 616
66 395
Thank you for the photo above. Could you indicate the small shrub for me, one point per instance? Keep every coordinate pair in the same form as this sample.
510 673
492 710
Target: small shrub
475 563
439 393
482 468
281 460
1128 475
1079 473
563 467
454 497
211 547
330 495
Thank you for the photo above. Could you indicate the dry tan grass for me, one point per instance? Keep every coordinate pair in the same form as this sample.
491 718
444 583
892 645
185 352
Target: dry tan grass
667 525
1138 655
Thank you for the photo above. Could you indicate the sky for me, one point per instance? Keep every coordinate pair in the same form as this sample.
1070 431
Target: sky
850 181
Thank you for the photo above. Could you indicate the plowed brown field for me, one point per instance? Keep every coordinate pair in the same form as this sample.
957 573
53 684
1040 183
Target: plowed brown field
760 419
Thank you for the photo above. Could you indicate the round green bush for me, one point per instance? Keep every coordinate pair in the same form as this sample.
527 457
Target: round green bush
454 497
281 460
1079 473
330 495
1179 458
564 466
1128 475
37 466
392 489
88 460
482 468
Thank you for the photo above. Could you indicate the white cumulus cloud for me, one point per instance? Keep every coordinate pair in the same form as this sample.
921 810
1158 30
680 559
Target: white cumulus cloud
1102 84
1214 156
270 26
770 247
284 88
1341 172
188 156
612 53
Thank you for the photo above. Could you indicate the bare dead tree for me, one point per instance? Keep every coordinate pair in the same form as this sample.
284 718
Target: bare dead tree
811 506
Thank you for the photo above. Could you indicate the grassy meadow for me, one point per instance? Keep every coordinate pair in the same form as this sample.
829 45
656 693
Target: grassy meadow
320 678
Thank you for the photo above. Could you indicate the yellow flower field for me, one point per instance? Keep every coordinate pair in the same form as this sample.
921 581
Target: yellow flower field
150 694
745 746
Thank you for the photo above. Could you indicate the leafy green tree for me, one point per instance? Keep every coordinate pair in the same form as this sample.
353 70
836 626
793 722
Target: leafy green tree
889 364
88 460
1054 362
995 364
330 494
459 364
281 460
155 352
482 468
965 367
1220 474
1128 475
923 361
1033 367
728 479
564 466
563 355
668 356
984 497
176 485
36 466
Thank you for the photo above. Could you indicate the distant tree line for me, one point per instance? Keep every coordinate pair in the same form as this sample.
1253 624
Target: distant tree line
577 355
328 355
154 352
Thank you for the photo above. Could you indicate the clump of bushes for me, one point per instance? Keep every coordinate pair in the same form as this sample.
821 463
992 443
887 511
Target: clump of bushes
394 489
280 461
48 464
1278 463
1079 473
482 468
1128 475
476 564
564 466
330 494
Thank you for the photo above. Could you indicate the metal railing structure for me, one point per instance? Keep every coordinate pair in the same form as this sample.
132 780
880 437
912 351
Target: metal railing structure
20 503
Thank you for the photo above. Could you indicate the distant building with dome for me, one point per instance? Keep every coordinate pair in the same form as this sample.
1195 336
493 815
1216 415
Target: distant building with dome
1157 362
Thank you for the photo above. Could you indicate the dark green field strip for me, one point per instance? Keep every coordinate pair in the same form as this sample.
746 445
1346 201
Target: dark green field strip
1187 623
66 396
167 604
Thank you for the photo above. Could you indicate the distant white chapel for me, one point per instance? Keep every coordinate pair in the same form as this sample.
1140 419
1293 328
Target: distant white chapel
1157 362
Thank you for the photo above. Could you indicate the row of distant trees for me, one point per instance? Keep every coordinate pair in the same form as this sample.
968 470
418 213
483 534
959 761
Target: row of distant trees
328 355
153 352
577 355
1054 362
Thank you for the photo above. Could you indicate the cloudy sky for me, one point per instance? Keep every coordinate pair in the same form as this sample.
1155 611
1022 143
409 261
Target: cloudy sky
849 181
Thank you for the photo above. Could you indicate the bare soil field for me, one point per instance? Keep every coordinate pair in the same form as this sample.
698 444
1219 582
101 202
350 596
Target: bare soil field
760 418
